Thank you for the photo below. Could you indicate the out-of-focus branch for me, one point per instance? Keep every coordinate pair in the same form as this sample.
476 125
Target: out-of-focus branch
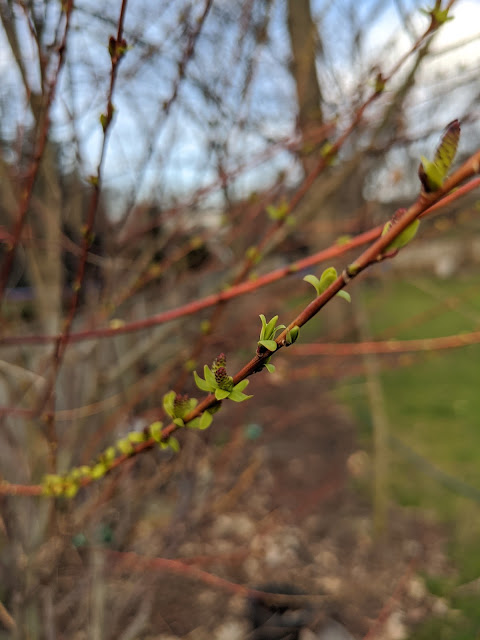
368 258
237 290
41 141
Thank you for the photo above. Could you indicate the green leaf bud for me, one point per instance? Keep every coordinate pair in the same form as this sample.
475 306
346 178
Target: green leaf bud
238 396
71 490
201 383
292 335
209 377
345 295
405 236
270 345
205 327
279 212
136 437
125 447
432 174
221 394
98 471
205 420
155 430
173 444
327 278
314 281
109 454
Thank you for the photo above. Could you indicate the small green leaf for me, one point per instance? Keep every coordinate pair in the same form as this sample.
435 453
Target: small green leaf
264 324
327 152
432 174
205 420
179 422
136 437
109 454
221 394
125 447
81 472
314 281
405 236
52 485
269 367
345 295
173 444
271 345
238 396
270 328
279 329
253 254
277 212
71 490
327 278
447 149
98 471
292 335
438 15
155 430
201 384
243 384
209 377
169 403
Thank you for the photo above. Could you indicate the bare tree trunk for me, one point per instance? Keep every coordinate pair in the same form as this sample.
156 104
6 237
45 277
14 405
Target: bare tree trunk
305 42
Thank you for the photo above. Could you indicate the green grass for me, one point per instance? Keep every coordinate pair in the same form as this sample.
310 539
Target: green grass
433 406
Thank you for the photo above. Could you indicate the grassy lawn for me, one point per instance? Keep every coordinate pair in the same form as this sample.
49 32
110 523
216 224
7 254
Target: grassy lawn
433 405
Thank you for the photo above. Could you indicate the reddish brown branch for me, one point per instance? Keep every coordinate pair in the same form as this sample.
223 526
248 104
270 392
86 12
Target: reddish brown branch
424 203
389 346
238 290
393 600
135 562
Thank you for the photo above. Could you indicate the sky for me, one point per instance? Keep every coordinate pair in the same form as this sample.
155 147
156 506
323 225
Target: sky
179 146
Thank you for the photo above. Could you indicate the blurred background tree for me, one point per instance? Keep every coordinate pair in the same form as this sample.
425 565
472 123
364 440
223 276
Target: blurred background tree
221 109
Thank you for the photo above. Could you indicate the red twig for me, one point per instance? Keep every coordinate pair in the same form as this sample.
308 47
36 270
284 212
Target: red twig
135 562
394 598
238 290
389 346
425 202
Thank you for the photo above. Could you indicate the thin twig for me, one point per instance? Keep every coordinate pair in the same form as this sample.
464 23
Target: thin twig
240 289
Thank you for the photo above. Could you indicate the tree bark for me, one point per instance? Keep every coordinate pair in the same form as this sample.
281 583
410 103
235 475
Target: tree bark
304 41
